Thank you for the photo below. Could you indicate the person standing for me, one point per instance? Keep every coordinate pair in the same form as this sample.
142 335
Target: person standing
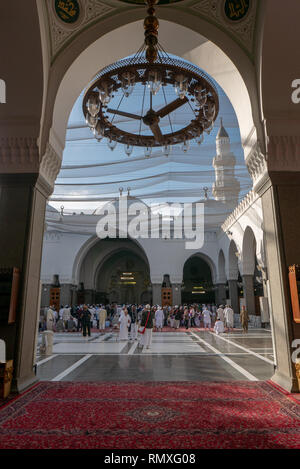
125 322
244 318
207 318
220 313
147 324
66 315
102 318
86 321
229 318
134 323
50 318
159 319
186 318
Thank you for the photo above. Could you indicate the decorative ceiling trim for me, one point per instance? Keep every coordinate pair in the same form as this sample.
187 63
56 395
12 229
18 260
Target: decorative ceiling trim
61 33
242 31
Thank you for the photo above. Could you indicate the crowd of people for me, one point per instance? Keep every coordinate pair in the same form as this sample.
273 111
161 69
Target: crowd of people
136 321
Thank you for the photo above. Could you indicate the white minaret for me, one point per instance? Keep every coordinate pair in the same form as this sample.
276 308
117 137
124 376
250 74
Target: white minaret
227 187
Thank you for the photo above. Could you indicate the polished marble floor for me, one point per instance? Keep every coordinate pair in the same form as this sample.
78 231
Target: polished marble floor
195 355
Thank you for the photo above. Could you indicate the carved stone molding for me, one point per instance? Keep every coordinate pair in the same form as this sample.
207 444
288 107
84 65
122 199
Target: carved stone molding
50 165
18 155
244 205
256 163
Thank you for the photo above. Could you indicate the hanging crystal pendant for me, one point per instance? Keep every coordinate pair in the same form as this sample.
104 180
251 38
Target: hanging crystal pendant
210 110
201 96
154 81
93 103
112 144
99 132
104 93
148 151
185 146
128 149
167 150
128 82
199 137
181 86
91 121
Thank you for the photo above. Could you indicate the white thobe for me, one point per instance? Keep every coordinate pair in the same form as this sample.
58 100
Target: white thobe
220 314
219 327
146 338
124 325
159 319
229 317
102 318
206 318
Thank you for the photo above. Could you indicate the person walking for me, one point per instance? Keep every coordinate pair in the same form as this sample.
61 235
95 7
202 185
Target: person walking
244 318
86 321
207 318
102 318
229 318
147 327
125 321
159 319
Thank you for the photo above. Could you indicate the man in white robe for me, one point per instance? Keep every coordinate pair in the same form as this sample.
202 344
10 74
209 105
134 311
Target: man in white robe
50 319
220 313
159 319
102 318
229 317
207 319
124 321
219 327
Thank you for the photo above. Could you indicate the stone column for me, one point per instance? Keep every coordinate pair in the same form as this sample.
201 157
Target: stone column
156 293
221 294
277 181
248 287
22 208
176 294
233 295
25 184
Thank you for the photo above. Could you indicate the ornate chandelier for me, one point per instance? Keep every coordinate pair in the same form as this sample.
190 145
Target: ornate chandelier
154 71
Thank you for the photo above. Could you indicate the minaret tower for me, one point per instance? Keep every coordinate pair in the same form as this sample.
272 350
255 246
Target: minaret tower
227 187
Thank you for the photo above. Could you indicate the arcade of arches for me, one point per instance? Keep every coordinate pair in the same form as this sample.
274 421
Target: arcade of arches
246 174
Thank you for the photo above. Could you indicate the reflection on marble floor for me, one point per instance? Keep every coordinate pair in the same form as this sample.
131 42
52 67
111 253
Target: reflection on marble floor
195 355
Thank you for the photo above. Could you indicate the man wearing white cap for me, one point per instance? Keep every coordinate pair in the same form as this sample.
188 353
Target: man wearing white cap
159 319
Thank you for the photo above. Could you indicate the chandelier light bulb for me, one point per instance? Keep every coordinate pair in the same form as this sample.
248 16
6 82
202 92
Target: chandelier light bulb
128 149
199 138
154 81
93 104
112 144
148 151
98 132
186 145
128 82
167 150
91 120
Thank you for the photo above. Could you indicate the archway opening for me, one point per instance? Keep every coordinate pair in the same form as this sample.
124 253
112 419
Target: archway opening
197 282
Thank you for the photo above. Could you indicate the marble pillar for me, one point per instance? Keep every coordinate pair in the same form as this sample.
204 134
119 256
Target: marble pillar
221 294
22 208
277 181
248 288
234 296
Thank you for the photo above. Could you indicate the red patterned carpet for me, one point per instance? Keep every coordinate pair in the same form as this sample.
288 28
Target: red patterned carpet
151 416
